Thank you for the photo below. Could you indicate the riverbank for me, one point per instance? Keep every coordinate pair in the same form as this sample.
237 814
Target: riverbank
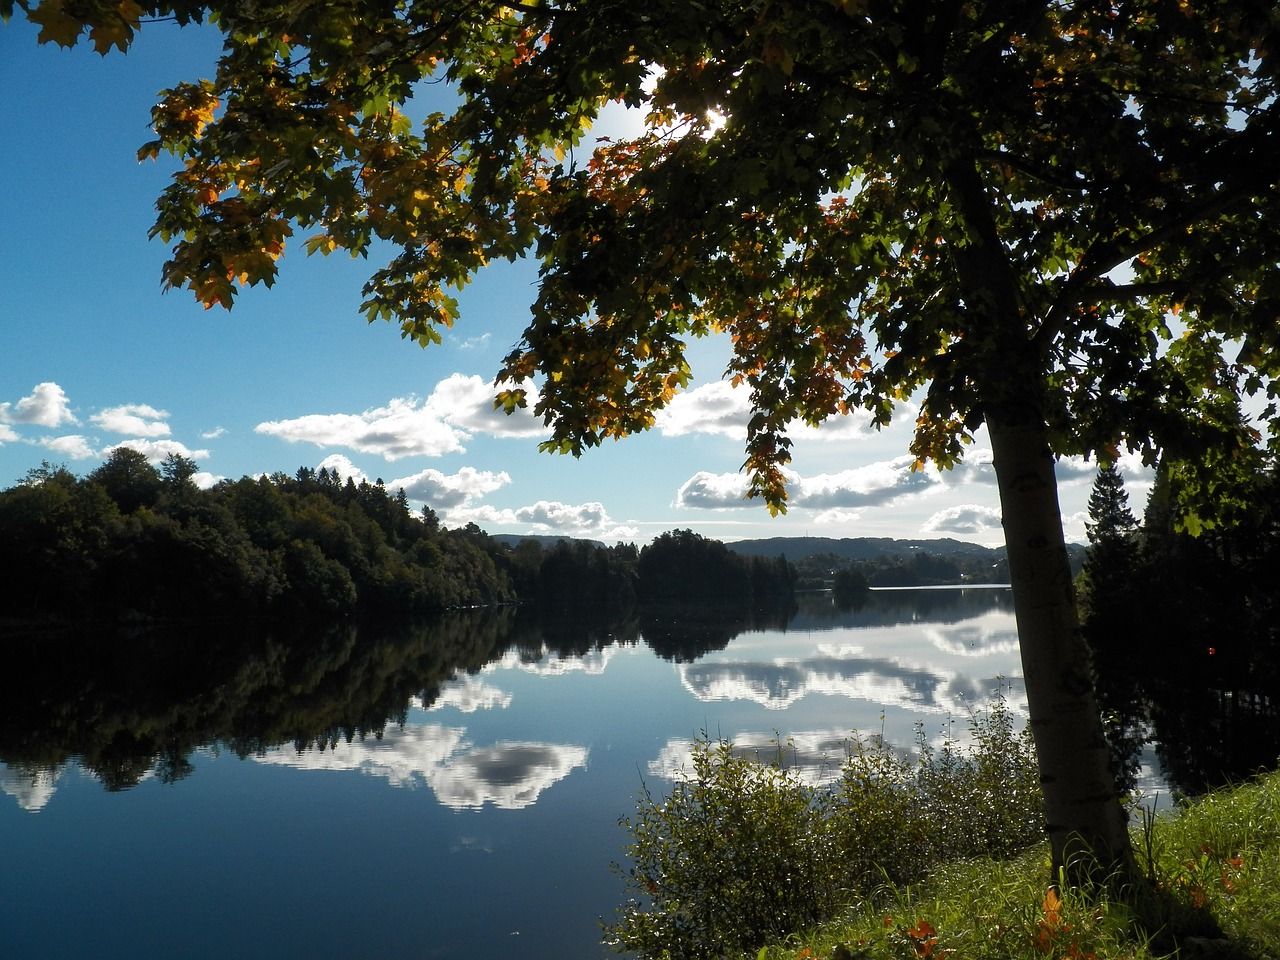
1216 866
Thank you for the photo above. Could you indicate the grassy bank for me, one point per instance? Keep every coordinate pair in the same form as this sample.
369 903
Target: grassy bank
927 857
1216 866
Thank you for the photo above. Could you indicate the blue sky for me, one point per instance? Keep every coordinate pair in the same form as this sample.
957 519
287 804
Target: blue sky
95 355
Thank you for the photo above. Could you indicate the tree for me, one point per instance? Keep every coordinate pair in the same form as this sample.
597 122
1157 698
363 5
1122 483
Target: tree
1110 518
129 479
1113 615
1046 218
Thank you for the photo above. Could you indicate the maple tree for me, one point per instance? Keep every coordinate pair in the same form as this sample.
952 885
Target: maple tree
1055 219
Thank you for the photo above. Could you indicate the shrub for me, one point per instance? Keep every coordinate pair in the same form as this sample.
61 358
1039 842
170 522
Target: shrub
743 851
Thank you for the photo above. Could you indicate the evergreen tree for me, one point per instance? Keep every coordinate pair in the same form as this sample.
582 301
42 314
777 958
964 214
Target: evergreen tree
1110 519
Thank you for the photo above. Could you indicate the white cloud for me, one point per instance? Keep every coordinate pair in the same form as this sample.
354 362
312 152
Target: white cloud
45 406
344 467
7 434
204 480
712 491
712 408
466 402
403 428
214 434
550 517
459 407
720 408
75 447
978 466
157 450
448 491
473 343
133 418
875 484
967 518
839 428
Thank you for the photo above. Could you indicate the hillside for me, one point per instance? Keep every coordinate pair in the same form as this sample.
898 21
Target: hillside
864 548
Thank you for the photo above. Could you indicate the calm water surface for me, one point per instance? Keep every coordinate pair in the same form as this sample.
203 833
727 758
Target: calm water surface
479 821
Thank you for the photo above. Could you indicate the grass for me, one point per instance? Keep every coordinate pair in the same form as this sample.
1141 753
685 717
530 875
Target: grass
1215 865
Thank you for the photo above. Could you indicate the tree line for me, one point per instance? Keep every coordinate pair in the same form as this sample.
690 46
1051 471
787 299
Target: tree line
1182 627
134 540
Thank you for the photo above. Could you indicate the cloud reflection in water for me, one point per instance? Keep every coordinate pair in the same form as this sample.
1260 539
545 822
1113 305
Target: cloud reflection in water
509 775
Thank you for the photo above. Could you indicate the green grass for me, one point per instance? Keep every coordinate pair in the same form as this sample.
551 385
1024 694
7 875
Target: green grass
1216 894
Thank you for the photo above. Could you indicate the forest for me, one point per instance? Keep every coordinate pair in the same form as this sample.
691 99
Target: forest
133 541
1185 627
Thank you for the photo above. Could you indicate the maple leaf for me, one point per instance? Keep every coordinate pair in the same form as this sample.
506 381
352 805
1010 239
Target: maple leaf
1051 907
55 25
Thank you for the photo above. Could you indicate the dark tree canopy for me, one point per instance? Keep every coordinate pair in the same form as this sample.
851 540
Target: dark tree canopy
1059 220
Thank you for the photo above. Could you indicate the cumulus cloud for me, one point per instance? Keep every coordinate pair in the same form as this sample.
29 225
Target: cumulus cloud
711 408
7 434
875 484
214 434
448 491
45 406
720 408
466 402
403 428
73 447
157 450
1078 470
966 518
459 407
550 517
133 418
713 491
343 466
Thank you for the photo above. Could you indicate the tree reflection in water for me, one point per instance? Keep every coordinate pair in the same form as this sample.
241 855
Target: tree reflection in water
128 705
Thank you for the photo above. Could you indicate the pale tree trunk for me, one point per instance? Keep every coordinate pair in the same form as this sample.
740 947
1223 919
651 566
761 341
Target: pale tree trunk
1085 820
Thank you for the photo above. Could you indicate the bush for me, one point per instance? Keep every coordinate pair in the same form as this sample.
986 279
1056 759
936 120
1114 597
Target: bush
743 851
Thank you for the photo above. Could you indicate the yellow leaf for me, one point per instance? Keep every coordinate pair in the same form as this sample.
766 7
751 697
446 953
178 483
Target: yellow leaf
55 25
1052 908
108 35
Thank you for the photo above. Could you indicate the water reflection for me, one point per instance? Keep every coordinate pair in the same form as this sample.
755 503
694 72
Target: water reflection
513 743
815 756
463 776
32 788
125 708
778 686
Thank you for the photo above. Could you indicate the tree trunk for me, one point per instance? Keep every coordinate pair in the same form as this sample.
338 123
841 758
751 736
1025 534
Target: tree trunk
1085 820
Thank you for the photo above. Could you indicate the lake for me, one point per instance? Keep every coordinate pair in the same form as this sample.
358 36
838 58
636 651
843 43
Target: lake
448 791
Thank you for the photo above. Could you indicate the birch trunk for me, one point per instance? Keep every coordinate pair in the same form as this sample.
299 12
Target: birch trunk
1085 819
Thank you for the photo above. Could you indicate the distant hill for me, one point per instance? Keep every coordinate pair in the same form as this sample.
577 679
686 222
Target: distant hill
796 549
862 548
879 548
544 541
